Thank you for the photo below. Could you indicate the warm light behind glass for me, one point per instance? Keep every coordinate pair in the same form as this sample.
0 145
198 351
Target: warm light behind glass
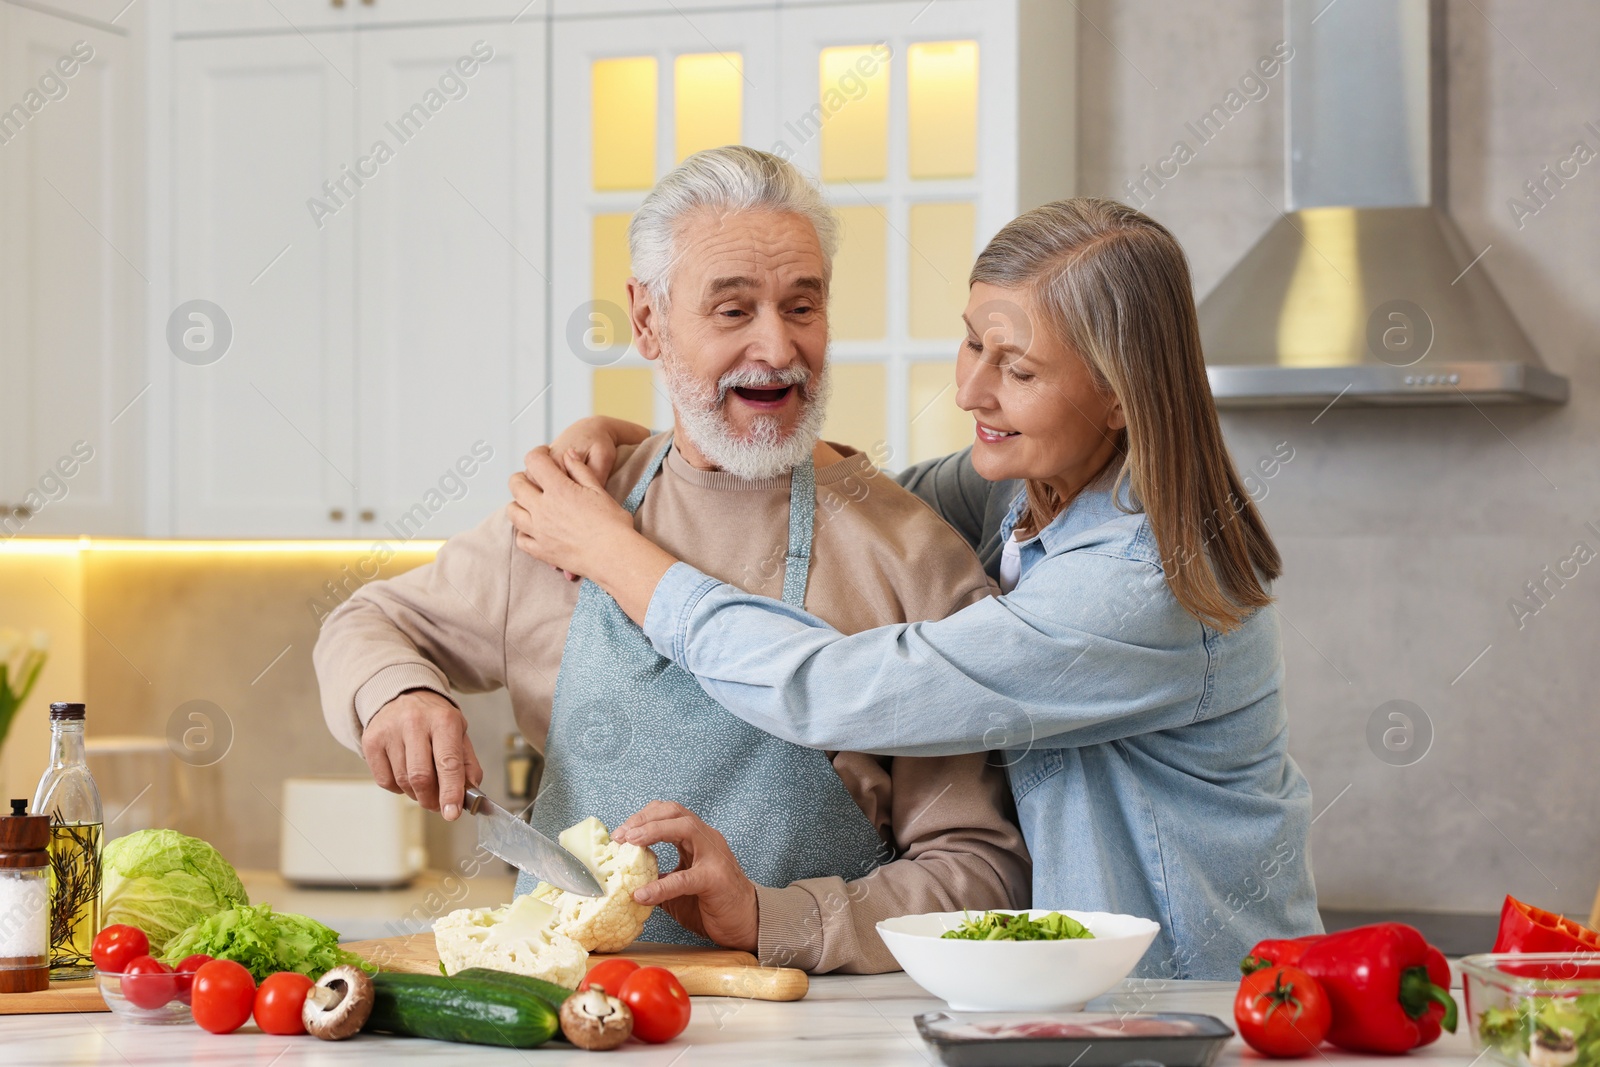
942 109
858 409
940 259
854 115
609 274
936 426
623 123
708 97
625 393
1320 324
858 298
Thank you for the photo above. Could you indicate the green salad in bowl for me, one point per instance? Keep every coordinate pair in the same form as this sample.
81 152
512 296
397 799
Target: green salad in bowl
1012 926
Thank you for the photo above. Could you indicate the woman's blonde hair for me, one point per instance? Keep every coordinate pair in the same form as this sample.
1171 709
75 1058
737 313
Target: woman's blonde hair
1113 285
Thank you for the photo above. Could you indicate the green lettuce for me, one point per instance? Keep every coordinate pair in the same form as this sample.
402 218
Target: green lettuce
1002 926
264 941
164 882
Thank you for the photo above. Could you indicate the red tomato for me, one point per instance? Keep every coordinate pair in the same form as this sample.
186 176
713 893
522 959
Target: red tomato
148 983
659 1004
608 975
224 995
185 971
1282 1011
117 946
278 1003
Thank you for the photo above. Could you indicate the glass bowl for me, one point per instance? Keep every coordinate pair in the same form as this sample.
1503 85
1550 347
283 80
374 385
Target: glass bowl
1537 1009
114 988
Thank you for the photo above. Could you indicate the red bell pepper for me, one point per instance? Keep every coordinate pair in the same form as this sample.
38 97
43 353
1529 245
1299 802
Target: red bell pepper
1390 989
1524 928
1282 953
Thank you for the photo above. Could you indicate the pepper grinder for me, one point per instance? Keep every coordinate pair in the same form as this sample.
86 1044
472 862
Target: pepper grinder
24 900
524 765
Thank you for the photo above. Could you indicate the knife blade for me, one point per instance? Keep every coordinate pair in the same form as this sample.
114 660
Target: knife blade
527 849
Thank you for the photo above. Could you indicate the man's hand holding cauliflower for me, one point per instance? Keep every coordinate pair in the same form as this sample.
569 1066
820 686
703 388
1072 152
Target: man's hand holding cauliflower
549 933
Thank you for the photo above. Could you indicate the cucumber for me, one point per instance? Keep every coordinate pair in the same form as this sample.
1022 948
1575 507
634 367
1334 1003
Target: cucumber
460 1009
549 992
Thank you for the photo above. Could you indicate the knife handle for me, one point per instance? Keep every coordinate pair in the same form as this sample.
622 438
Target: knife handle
474 800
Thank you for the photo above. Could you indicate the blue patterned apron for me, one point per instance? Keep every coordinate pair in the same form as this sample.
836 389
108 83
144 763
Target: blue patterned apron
628 726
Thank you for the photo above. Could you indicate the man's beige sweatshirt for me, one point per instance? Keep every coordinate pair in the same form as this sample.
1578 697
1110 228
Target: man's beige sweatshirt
484 615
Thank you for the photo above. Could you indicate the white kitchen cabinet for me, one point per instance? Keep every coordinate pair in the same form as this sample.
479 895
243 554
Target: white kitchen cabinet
370 217
195 17
263 434
451 366
74 269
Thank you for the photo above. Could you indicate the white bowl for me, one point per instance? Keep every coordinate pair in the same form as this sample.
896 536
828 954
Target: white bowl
1018 975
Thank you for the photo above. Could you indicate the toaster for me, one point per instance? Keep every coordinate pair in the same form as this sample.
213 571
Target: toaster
348 832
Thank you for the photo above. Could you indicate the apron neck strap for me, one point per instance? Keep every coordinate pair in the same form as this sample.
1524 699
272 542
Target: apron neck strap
802 512
802 515
636 497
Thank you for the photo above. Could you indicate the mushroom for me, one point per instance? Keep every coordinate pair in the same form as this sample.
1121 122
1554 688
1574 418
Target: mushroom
595 1020
338 1005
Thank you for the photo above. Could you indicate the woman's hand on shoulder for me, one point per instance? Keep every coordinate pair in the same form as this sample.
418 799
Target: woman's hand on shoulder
564 516
561 510
595 440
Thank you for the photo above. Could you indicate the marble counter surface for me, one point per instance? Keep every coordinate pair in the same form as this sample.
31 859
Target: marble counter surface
845 1020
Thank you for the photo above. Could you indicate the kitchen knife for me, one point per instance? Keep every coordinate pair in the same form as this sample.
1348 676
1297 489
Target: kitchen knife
527 849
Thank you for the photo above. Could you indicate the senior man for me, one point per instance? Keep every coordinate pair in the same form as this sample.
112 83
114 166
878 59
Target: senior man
787 852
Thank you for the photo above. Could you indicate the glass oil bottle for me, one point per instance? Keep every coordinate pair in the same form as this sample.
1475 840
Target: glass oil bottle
69 796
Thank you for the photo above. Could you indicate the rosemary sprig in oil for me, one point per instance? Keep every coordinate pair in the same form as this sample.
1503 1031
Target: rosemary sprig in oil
74 891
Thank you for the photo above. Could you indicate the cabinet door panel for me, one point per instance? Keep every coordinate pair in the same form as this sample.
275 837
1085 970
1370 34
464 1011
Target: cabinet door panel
73 260
263 437
451 374
294 16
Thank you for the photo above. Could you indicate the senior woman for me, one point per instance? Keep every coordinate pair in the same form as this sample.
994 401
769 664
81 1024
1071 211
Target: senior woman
1129 675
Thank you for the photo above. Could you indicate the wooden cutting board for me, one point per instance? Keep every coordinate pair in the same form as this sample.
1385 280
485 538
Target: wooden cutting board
77 995
704 972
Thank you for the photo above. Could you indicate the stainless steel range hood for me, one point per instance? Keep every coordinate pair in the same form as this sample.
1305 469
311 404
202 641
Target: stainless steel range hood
1365 290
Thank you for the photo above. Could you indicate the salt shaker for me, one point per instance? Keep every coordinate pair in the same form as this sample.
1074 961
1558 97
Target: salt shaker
24 900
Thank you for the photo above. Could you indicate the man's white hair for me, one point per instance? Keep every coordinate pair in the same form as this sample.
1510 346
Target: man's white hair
721 180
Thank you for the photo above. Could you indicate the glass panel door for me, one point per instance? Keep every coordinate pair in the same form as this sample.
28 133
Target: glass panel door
907 128
659 89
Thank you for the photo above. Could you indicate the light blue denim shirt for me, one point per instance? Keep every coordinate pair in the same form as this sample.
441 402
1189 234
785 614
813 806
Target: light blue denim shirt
1147 752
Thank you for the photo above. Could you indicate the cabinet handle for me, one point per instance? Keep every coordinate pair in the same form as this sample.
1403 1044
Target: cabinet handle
336 514
368 515
21 512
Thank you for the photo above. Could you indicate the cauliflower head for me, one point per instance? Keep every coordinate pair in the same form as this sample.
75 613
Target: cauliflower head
520 938
612 922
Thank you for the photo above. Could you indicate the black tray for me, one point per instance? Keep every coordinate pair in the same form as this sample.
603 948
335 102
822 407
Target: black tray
1120 1040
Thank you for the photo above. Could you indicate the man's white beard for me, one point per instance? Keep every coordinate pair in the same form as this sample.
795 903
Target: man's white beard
763 453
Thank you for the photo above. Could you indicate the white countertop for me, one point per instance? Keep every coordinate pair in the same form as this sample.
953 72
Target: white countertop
845 1020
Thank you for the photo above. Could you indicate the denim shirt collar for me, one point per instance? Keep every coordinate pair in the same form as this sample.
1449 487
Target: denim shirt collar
1095 504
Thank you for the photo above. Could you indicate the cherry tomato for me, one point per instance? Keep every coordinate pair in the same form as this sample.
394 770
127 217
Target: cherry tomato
117 946
608 975
185 971
148 983
1282 1011
224 995
659 1004
278 1003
